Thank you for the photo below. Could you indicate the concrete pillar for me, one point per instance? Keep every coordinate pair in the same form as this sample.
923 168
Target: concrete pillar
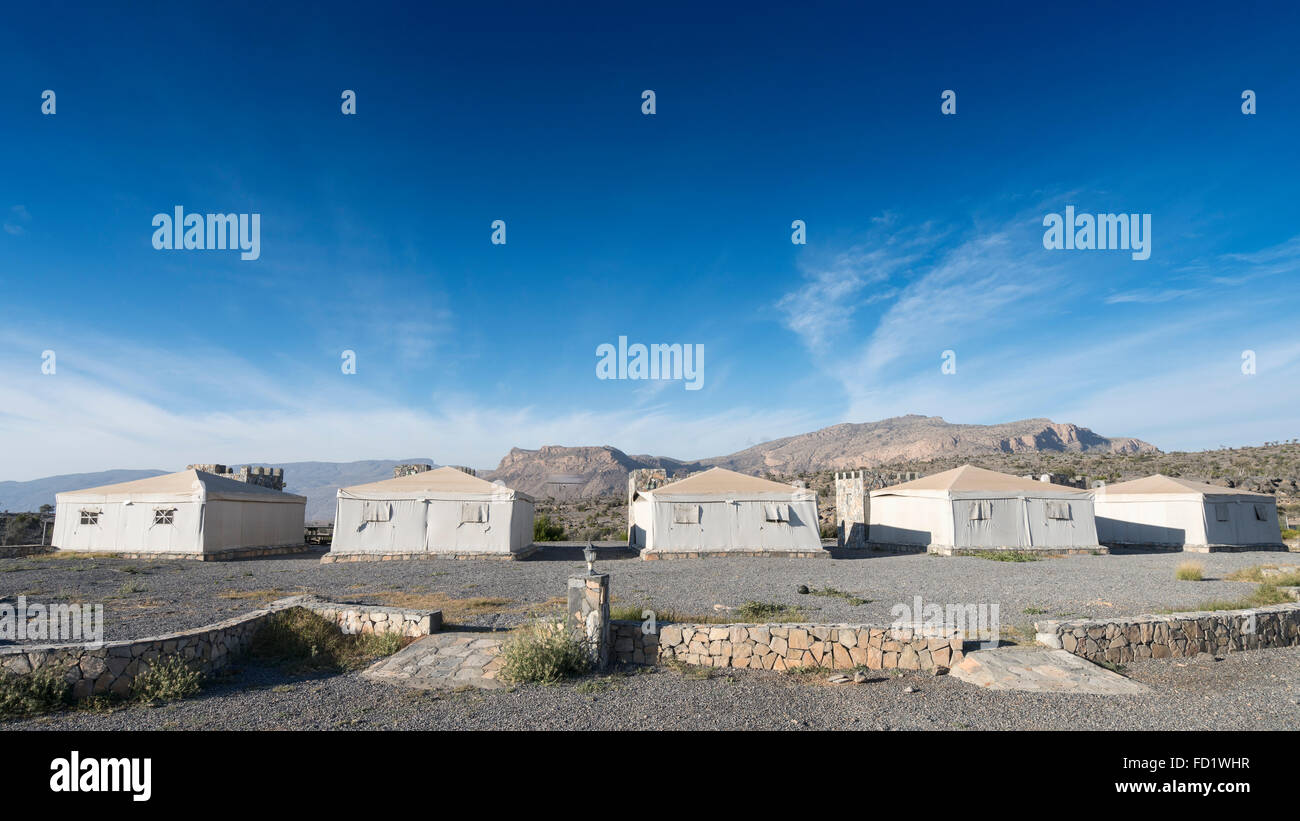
589 615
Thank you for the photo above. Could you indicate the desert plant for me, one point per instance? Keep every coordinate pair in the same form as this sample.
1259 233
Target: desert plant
757 611
543 651
41 691
167 679
1190 572
546 530
300 641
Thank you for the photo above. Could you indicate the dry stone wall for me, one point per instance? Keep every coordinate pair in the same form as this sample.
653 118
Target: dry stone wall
111 667
787 646
1175 635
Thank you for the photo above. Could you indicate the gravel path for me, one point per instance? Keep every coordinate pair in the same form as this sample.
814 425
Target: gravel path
144 597
1254 690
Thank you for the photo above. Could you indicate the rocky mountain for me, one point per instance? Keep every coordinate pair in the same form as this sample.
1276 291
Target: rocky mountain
917 438
595 471
561 472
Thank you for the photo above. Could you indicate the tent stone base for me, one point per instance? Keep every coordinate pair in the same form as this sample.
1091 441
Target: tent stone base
952 550
400 556
1232 548
231 554
1077 550
653 555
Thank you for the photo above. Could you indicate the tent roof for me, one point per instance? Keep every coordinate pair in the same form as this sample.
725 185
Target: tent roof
186 482
1159 483
970 478
439 480
721 481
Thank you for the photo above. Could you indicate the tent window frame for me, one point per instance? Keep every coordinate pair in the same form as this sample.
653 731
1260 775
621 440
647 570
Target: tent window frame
1058 510
981 510
1221 512
90 516
1260 514
686 513
473 513
164 515
375 512
777 512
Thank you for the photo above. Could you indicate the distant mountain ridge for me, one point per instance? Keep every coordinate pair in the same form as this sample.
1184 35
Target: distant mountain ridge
603 470
583 472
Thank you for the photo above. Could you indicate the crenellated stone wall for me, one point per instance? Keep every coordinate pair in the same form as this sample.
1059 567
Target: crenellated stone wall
1174 635
852 504
787 646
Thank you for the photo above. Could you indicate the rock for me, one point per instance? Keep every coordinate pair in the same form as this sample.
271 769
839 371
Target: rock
910 689
802 589
941 671
859 677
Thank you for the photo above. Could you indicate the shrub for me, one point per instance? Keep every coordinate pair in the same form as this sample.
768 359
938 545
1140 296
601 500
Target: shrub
545 530
543 651
41 691
758 611
298 640
1190 572
1006 555
167 679
1290 533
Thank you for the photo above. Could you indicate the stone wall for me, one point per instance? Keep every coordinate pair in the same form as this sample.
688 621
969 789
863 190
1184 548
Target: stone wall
786 646
409 470
852 505
111 667
261 476
1175 635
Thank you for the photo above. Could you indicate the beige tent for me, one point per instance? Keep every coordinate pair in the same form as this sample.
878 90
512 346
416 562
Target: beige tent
720 511
187 514
1165 511
437 512
970 508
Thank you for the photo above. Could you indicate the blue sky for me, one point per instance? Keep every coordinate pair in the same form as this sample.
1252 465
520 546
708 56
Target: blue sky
924 230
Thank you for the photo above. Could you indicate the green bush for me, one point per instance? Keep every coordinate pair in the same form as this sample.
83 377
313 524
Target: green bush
300 641
167 679
545 530
543 652
1290 533
41 691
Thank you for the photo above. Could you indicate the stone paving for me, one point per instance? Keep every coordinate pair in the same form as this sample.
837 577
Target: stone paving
1041 671
442 661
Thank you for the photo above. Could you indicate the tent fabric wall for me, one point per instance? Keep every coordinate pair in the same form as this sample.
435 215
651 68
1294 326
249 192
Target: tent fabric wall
440 511
972 508
1167 511
208 514
722 511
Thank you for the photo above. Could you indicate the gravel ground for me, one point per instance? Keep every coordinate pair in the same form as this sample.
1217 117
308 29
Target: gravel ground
143 597
1257 690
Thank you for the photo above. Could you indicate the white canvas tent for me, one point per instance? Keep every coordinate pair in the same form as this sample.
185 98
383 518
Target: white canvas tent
1165 511
721 511
970 508
437 512
187 514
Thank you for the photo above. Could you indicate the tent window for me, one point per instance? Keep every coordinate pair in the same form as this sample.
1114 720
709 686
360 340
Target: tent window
164 515
980 511
1221 512
90 517
473 513
378 511
1058 510
1261 515
776 513
686 514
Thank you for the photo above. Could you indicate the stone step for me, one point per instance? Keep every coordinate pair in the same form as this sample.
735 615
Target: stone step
1041 671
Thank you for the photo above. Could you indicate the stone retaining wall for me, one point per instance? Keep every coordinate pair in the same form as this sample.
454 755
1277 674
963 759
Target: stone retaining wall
1175 635
786 646
17 551
334 557
111 667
